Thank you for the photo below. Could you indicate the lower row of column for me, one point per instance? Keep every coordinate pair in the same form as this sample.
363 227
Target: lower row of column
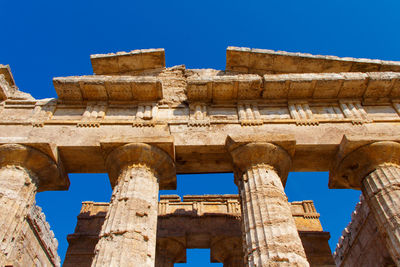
128 236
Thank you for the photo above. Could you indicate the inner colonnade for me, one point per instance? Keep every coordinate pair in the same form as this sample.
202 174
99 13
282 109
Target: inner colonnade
267 114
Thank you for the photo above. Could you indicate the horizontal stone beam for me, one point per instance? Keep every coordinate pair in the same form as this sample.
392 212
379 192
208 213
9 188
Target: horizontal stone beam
275 87
304 212
262 61
108 88
224 88
128 62
356 85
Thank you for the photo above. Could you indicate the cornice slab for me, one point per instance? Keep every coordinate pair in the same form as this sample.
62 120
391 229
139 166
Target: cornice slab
317 86
125 62
6 71
108 88
224 88
263 61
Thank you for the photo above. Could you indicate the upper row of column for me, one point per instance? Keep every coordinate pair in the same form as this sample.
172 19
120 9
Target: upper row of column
270 236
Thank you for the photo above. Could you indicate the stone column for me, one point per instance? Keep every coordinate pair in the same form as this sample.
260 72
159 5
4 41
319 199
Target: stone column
169 251
271 236
227 250
128 235
23 171
375 169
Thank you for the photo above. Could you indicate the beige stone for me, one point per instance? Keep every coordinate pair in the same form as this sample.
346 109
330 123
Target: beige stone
131 221
375 169
267 114
206 221
24 171
270 232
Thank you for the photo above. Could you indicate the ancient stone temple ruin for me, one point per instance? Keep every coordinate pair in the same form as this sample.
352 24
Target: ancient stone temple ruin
267 114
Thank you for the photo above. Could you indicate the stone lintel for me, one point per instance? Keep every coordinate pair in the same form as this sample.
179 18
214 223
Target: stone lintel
125 62
40 158
155 154
359 154
263 61
108 88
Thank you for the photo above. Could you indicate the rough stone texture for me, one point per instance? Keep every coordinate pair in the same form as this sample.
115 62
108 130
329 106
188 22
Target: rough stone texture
17 190
361 243
131 222
197 222
271 238
381 190
375 168
261 61
227 250
169 251
24 171
8 89
128 235
133 62
35 245
194 115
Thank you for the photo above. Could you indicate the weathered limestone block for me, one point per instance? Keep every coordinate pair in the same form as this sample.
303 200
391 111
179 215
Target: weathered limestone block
23 171
261 61
17 188
128 235
375 169
133 62
169 251
227 250
361 244
271 237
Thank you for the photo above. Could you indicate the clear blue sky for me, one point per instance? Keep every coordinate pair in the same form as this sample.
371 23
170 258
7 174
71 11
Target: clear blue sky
45 39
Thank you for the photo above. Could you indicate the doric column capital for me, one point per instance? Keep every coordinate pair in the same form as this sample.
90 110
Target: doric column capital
142 154
227 248
49 175
169 251
275 152
352 165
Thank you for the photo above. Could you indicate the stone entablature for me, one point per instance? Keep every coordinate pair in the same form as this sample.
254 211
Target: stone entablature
197 221
199 108
304 213
142 123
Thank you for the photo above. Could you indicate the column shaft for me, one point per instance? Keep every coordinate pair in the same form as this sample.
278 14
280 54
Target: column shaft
381 189
128 236
17 195
270 231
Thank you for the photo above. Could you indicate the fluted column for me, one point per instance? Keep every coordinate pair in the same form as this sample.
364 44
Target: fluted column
23 171
128 235
375 169
227 250
169 251
271 236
